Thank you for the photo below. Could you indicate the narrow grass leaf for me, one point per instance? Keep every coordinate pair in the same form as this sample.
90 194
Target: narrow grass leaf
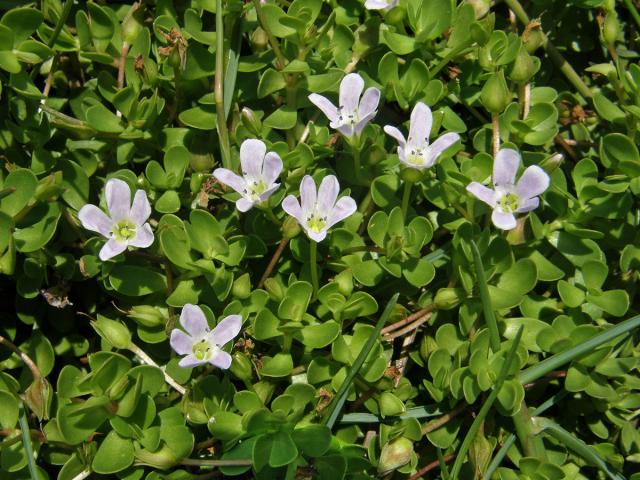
489 315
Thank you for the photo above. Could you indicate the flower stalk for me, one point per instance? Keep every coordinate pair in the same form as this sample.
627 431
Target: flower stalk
313 265
406 196
223 132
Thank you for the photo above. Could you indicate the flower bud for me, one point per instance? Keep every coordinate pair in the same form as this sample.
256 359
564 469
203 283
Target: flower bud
290 228
495 95
113 332
448 298
345 282
132 24
241 286
533 38
395 16
524 67
480 7
611 28
549 164
117 390
38 397
241 367
259 40
412 175
394 455
148 315
275 288
251 121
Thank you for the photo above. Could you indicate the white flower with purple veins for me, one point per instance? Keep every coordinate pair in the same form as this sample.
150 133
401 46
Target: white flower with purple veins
201 345
260 170
381 4
507 196
415 152
126 223
353 113
318 211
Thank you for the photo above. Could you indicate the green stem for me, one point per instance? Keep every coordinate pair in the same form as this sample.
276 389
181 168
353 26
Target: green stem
281 60
633 10
272 216
532 445
489 315
356 160
313 265
223 133
61 21
555 56
445 61
484 411
406 196
26 442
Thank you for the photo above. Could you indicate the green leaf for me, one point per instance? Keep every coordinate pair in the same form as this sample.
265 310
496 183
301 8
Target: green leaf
114 454
22 22
9 410
294 305
136 281
24 182
283 449
43 221
278 366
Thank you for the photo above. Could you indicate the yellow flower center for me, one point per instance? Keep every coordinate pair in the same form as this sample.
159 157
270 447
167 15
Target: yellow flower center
416 157
124 230
254 189
202 350
508 203
316 223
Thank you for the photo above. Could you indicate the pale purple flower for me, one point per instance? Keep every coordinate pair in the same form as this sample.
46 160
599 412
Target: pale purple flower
507 196
415 152
353 113
201 345
126 223
260 170
319 211
381 4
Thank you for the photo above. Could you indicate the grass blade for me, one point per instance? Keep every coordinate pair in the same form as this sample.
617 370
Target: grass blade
482 414
426 411
336 405
489 315
559 359
231 73
577 445
26 442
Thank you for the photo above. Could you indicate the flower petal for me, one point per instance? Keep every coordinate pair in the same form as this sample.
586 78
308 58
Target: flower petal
327 194
291 206
325 105
143 238
441 144
244 205
347 130
221 359
402 155
533 182
193 320
504 221
395 133
350 90
505 167
343 208
226 330
271 167
229 178
140 209
111 249
252 153
528 205
264 196
94 219
363 122
190 361
316 236
369 102
420 126
307 194
376 4
118 196
485 194
181 343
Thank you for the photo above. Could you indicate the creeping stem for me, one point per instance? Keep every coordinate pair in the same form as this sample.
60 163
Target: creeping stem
406 196
313 264
223 133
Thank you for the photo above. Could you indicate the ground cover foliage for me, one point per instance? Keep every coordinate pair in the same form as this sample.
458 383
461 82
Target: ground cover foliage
456 301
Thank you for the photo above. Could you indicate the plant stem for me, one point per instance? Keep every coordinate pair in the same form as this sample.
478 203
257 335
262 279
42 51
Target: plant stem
26 359
60 24
26 442
356 160
524 95
412 326
272 216
142 355
313 265
406 196
443 420
555 56
532 445
223 133
281 61
197 462
274 260
436 463
411 318
122 64
633 10
495 128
